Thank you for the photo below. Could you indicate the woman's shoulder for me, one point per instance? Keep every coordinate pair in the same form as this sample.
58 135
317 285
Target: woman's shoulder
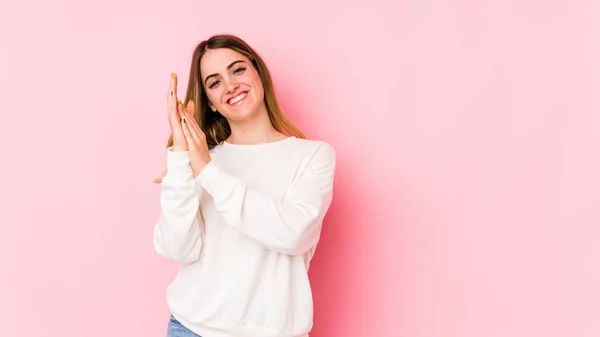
311 143
314 147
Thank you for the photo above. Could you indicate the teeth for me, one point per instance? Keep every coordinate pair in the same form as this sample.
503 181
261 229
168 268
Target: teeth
237 98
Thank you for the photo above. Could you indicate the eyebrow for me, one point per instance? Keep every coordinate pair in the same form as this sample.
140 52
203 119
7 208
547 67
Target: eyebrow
228 67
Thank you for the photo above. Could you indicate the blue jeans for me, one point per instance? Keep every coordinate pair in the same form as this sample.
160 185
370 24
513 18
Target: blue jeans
176 329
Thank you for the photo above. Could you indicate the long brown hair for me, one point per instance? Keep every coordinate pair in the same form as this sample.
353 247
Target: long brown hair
212 123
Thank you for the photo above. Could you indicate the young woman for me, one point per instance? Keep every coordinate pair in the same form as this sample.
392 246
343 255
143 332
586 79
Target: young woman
242 201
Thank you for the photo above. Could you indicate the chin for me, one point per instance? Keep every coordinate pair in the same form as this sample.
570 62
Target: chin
240 115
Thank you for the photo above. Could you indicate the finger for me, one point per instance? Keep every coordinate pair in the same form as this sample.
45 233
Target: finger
197 130
174 86
189 138
194 129
179 115
159 178
190 107
187 122
189 112
172 98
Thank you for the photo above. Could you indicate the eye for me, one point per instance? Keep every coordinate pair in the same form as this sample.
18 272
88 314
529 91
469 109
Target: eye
213 84
239 70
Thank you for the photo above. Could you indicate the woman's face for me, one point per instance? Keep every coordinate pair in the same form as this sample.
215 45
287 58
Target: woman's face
232 84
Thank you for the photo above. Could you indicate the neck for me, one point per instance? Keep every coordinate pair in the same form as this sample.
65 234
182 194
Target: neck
254 131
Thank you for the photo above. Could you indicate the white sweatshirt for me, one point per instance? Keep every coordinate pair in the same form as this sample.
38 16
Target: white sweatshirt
244 232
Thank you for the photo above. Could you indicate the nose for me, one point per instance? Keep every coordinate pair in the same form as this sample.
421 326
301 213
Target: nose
231 85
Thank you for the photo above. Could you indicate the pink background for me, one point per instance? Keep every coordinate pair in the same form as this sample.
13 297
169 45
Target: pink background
467 197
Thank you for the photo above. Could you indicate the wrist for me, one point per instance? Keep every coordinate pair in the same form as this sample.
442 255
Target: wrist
179 148
198 169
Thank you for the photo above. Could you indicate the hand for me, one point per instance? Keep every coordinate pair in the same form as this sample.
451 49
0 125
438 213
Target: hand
159 179
179 142
195 138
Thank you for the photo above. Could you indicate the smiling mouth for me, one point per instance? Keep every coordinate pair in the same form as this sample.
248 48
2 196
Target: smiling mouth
237 100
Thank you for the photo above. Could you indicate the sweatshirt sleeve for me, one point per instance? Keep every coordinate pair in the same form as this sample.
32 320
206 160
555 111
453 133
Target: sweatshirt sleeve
291 225
177 233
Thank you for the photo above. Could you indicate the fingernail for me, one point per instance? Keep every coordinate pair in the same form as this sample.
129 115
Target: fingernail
179 101
171 93
184 120
173 75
